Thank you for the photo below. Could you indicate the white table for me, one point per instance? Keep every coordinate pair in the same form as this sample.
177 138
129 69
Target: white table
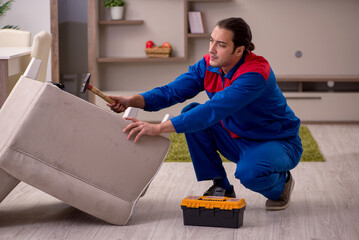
11 62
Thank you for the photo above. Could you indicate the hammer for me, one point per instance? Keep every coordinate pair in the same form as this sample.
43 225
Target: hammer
86 85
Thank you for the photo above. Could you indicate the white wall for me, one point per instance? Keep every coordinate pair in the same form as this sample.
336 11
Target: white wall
326 31
32 16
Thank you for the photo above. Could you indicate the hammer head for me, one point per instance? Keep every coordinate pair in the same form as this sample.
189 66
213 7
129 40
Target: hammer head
85 83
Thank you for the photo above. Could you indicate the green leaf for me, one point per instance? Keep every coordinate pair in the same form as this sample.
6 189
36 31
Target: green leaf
5 7
11 27
113 3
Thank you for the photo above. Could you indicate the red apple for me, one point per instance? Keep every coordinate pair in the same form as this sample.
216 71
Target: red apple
166 45
149 44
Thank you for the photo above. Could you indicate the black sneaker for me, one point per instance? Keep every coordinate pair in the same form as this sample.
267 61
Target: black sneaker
220 192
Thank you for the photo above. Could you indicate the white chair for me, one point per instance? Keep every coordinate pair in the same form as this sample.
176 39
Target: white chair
14 38
40 50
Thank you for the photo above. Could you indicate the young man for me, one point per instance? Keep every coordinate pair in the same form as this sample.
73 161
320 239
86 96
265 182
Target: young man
246 118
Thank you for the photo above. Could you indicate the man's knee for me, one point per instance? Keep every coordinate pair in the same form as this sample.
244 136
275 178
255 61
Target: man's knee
246 176
189 107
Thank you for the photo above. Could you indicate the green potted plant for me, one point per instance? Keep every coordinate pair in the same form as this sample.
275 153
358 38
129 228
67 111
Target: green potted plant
116 8
4 7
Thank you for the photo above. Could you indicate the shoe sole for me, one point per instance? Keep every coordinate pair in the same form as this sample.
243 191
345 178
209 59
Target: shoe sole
277 208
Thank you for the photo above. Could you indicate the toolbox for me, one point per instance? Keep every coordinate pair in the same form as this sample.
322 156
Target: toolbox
213 211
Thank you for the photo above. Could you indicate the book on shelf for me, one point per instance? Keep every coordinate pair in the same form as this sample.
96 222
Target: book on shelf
195 22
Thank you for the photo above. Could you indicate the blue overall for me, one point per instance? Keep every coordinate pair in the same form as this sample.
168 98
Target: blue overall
246 118
261 165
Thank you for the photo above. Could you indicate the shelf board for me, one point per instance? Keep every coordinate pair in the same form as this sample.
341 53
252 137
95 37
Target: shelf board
198 35
139 59
208 0
121 22
317 78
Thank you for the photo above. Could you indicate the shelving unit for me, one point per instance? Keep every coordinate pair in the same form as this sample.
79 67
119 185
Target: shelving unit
131 60
198 35
308 95
190 5
96 59
314 101
120 22
138 60
302 80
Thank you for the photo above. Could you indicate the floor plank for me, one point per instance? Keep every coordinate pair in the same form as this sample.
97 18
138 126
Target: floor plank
325 203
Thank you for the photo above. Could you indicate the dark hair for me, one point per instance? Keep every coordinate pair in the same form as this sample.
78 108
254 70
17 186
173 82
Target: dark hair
242 35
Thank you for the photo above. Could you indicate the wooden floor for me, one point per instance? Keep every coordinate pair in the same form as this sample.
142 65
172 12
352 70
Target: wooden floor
325 204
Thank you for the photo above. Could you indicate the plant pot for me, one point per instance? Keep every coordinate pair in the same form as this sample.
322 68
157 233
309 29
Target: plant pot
116 13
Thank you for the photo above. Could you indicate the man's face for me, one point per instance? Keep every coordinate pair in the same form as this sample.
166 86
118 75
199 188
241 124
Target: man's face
221 49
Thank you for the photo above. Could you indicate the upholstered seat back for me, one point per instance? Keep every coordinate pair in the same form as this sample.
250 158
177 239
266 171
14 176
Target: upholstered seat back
14 38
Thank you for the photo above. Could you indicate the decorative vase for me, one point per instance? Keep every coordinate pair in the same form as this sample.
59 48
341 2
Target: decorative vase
116 13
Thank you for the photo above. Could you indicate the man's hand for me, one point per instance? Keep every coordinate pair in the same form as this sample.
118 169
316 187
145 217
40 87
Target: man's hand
145 128
120 105
141 128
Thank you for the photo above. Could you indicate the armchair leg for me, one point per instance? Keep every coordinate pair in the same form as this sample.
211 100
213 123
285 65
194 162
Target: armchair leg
33 68
8 183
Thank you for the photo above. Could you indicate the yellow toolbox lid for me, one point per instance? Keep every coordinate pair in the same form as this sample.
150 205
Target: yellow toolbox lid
210 202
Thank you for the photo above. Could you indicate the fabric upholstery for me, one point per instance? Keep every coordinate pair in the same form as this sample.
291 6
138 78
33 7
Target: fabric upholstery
75 151
7 184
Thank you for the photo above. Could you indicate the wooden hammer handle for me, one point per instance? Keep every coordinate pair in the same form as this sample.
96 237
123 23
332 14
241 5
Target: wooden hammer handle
101 94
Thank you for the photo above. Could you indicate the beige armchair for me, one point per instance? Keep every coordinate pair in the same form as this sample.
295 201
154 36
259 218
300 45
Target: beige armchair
74 151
